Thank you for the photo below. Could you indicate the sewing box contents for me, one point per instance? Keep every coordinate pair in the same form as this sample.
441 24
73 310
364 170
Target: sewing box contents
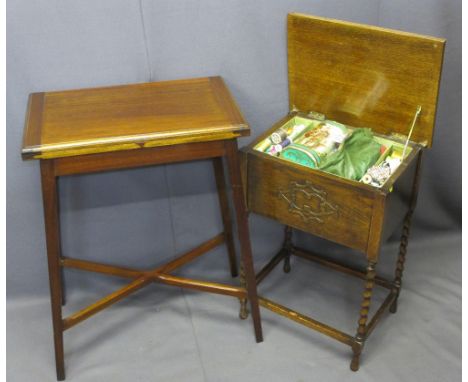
352 153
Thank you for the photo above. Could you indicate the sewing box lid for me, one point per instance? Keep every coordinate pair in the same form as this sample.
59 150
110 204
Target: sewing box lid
364 75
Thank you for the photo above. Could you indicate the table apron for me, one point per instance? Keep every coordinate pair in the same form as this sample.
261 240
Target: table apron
138 158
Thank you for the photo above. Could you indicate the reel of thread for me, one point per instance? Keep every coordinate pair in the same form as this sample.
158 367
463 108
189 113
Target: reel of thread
275 150
278 136
378 175
281 134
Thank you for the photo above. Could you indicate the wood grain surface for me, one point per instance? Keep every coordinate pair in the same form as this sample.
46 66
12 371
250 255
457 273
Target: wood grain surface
126 117
364 75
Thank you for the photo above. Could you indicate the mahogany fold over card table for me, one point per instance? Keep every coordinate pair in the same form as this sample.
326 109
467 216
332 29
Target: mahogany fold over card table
120 127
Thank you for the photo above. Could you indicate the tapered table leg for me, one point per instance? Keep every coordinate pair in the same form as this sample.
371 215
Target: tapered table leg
243 311
52 228
225 213
288 247
62 279
363 314
243 231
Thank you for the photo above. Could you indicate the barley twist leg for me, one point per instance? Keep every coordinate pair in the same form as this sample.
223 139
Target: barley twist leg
400 266
363 314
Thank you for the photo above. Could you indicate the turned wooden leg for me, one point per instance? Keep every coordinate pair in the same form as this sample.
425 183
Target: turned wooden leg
360 337
225 213
52 229
288 247
401 261
243 231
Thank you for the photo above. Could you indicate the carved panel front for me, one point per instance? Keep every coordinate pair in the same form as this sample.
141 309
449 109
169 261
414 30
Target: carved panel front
308 201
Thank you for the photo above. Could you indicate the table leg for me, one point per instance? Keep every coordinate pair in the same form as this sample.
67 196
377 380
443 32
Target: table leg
405 236
225 213
52 229
360 337
62 279
401 261
243 312
288 247
243 231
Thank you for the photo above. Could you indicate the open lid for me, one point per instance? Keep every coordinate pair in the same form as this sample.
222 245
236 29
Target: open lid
364 76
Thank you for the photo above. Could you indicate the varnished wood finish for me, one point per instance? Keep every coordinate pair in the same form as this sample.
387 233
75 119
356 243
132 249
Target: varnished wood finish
359 216
344 268
202 286
143 278
347 211
225 213
130 117
306 321
400 266
288 248
87 164
377 219
405 235
161 274
363 314
34 114
233 161
103 303
243 310
274 261
52 230
135 126
91 266
364 75
368 275
398 201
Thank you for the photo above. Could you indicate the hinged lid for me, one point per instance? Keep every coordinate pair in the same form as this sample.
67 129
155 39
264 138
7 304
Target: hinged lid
363 75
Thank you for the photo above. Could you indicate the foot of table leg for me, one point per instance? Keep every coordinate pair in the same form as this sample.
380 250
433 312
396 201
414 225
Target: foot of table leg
225 213
363 314
357 348
52 228
401 261
288 249
244 237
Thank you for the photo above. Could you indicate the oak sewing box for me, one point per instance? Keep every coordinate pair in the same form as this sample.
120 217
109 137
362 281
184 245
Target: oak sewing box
112 128
358 75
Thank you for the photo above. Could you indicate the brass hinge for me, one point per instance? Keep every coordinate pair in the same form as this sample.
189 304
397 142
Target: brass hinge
398 136
294 110
311 114
402 139
316 115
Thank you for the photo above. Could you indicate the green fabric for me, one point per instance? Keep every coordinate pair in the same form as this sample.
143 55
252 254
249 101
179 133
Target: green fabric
358 153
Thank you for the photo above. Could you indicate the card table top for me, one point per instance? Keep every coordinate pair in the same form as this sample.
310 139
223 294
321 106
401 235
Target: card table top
127 117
